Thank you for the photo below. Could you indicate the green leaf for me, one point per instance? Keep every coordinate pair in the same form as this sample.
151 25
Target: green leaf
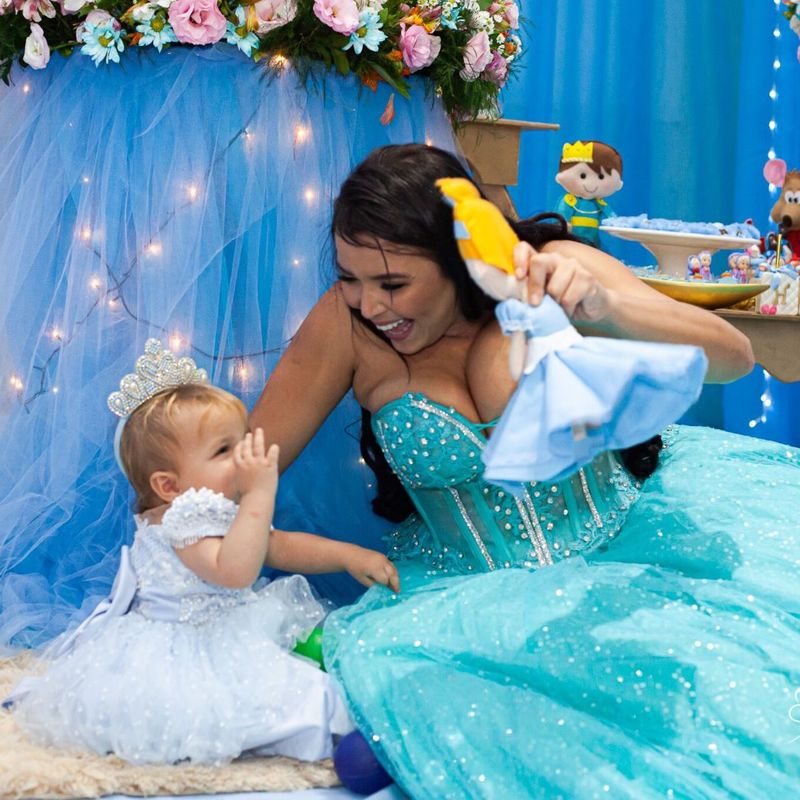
341 62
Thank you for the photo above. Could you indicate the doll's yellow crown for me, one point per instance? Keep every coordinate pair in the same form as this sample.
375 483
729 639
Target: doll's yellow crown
156 371
577 152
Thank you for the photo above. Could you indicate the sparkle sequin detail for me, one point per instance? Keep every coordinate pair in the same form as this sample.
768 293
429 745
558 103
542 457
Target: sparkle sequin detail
433 448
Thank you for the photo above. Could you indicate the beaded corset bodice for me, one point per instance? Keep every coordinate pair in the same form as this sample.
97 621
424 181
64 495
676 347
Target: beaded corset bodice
470 525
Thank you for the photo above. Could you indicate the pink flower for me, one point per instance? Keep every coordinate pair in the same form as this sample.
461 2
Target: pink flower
340 15
497 70
197 21
476 56
271 14
418 48
33 10
37 51
512 14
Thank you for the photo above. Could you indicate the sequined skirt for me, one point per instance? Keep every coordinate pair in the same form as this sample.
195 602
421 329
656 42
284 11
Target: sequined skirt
664 663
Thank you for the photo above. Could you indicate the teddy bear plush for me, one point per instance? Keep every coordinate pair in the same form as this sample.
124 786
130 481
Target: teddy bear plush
786 211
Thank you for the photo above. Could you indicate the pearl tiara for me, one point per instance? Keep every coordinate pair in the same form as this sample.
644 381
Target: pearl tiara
156 371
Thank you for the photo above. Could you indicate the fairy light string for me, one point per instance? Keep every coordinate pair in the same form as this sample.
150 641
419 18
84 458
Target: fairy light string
766 391
110 289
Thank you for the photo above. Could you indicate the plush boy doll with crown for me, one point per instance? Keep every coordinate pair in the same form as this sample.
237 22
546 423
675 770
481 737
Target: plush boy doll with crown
590 172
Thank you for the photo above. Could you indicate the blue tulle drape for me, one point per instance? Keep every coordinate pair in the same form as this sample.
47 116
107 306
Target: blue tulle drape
682 89
185 196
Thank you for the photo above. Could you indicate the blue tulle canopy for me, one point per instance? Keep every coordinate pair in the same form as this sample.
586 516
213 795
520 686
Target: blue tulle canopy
184 196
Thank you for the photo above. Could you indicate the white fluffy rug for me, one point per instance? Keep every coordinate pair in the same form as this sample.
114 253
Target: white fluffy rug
30 771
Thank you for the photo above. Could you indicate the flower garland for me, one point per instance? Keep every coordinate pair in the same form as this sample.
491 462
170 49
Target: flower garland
792 13
466 47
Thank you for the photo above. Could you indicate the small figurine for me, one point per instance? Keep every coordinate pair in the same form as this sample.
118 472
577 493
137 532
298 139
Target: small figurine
693 269
757 260
705 265
589 171
739 267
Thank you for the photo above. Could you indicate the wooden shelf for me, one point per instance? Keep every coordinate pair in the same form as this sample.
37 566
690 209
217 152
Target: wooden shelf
491 148
775 340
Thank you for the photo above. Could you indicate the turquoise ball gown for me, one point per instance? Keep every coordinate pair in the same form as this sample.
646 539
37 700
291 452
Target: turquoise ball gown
597 637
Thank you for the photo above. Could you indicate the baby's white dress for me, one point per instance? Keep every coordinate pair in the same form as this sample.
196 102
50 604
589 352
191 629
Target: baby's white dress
191 670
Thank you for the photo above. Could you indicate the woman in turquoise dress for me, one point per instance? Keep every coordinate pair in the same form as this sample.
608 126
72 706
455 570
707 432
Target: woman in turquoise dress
606 636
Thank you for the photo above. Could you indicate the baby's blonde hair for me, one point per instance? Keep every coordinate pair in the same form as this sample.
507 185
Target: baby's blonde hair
149 442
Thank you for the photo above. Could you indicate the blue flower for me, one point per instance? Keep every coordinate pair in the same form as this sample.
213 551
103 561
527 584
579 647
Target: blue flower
156 31
238 34
451 13
103 42
368 33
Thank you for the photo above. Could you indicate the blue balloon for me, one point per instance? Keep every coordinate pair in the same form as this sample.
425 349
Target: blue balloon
357 767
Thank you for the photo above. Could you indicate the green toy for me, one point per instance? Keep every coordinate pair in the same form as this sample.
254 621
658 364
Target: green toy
312 647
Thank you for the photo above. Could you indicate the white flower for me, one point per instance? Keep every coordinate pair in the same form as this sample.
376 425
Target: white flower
72 6
794 23
142 12
481 22
37 51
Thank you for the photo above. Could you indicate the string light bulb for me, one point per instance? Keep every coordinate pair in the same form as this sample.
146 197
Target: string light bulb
301 134
176 341
95 283
16 383
192 191
310 195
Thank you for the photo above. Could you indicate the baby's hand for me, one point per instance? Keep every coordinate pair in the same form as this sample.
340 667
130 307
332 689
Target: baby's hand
256 471
370 567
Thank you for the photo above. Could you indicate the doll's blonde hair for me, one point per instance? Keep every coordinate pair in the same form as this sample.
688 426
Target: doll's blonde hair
149 441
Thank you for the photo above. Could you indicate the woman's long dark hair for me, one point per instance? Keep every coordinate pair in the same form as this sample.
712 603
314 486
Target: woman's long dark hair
392 196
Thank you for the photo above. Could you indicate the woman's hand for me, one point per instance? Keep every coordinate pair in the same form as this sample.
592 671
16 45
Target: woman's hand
369 567
566 280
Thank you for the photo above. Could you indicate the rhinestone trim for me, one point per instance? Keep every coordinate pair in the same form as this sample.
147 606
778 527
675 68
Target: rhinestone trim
472 529
598 520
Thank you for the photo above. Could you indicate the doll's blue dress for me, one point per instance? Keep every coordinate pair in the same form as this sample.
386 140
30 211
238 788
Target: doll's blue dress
595 637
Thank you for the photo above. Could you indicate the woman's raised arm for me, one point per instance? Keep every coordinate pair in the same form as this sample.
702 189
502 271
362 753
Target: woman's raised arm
310 379
632 310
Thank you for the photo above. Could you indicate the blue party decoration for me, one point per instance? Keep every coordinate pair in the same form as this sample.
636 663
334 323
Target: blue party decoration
185 196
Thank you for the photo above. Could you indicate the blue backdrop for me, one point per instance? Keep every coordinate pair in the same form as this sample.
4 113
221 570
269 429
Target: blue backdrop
682 89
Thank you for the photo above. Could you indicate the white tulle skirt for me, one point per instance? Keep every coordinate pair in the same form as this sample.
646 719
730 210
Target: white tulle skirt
160 692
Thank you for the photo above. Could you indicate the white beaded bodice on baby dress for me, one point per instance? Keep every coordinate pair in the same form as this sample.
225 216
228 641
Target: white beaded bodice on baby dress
165 584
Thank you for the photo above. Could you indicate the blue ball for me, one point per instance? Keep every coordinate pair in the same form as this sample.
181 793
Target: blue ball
357 767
